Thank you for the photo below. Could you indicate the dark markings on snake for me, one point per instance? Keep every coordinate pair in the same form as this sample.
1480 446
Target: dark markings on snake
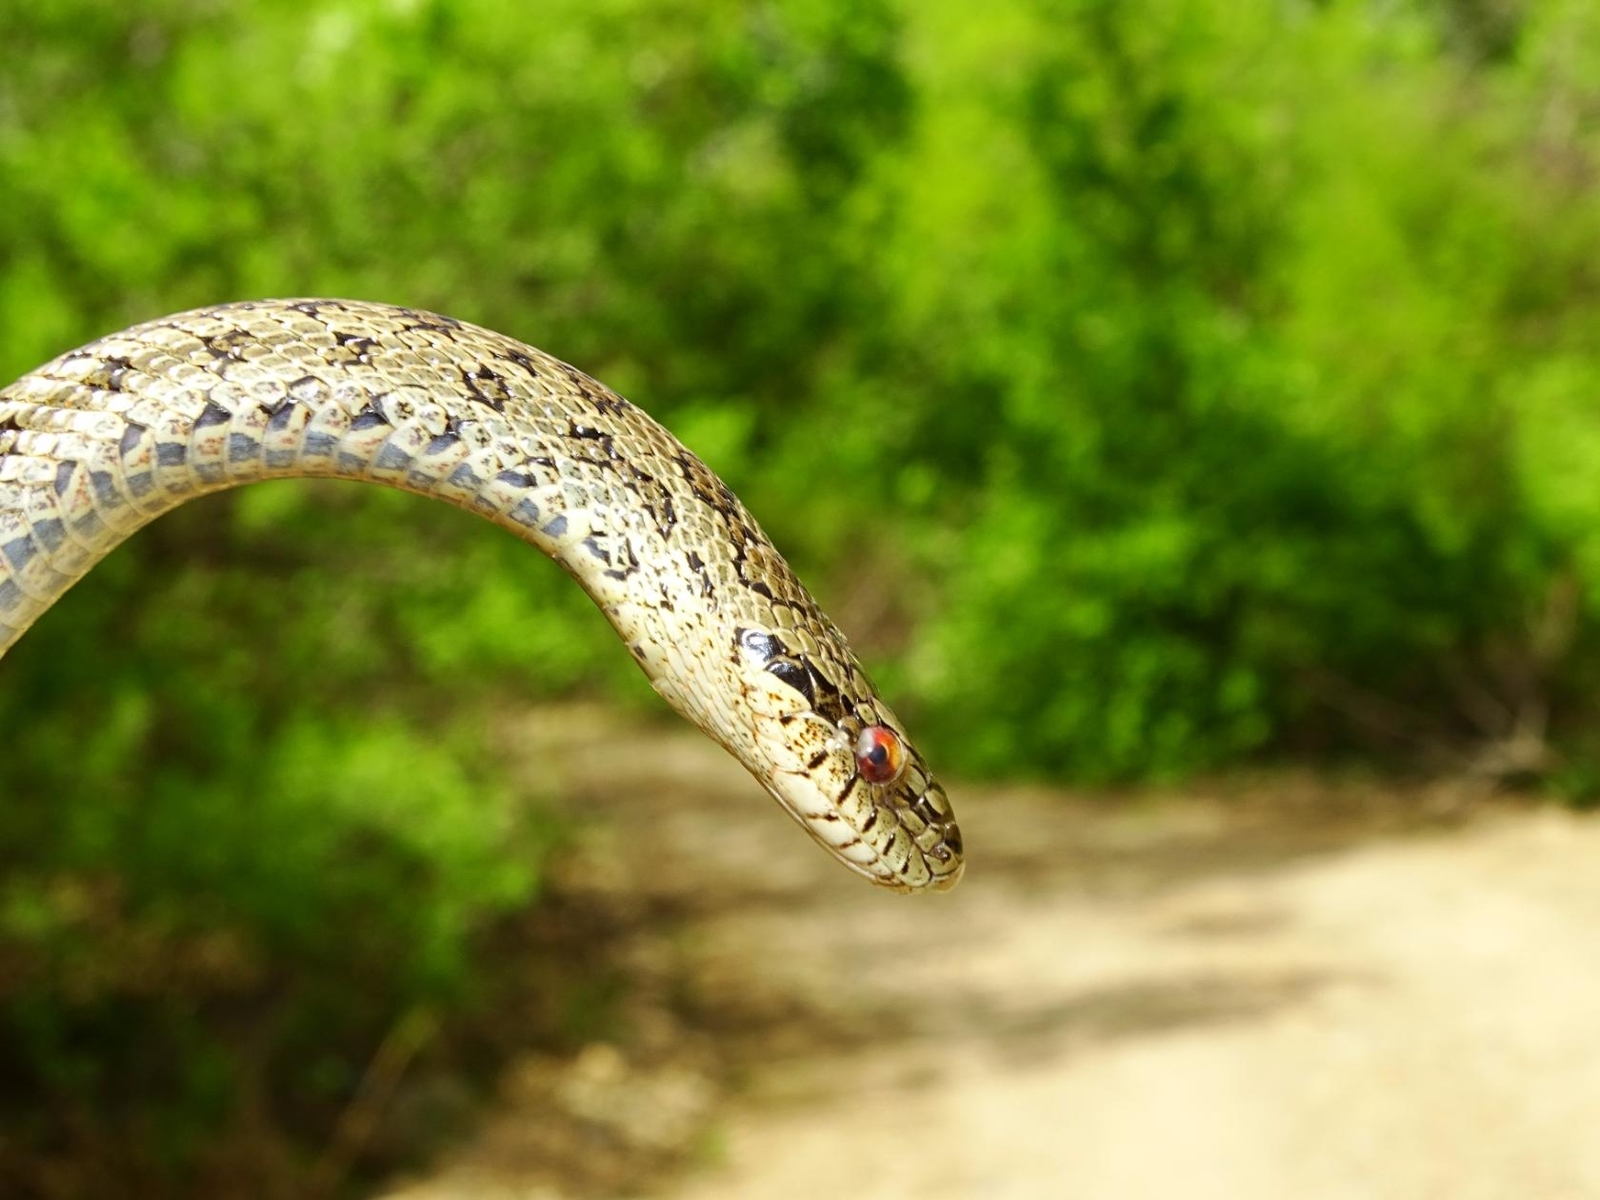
584 385
744 536
952 838
464 477
526 513
485 387
105 489
524 361
171 454
613 460
665 512
844 793
434 321
319 444
604 552
358 345
89 526
281 417
367 418
557 526
826 699
716 494
517 479
131 437
117 369
221 346
391 458
764 646
51 533
212 414
443 442
626 569
816 760
19 551
10 596
794 675
697 565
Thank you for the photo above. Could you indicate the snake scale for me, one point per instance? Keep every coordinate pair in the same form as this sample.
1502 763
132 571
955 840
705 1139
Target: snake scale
110 436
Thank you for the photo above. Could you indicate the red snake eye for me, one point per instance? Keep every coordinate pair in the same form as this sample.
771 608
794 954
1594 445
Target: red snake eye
880 756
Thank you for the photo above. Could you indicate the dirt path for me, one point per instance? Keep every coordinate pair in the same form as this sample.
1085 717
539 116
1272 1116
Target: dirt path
1281 994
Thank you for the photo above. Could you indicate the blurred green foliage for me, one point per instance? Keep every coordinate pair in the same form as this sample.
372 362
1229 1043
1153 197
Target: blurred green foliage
1147 384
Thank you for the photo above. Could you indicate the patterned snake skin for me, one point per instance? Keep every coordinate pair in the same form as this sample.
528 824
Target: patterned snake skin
106 438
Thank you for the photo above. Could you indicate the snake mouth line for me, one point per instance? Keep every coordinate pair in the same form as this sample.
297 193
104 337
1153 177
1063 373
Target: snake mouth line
852 848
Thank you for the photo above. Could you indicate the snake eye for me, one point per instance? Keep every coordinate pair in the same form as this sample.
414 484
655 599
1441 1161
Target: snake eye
880 756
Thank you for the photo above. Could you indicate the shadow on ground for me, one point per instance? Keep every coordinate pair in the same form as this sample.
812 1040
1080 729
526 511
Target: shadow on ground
1278 987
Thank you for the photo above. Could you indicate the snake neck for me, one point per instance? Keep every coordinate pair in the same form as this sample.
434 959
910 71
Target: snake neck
106 438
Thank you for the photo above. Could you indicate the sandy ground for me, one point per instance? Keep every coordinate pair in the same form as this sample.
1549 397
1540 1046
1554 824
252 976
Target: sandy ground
1288 990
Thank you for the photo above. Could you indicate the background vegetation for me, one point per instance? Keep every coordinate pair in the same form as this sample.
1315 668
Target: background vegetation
1148 385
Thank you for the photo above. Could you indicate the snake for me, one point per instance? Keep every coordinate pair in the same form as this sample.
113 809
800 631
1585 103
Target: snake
105 438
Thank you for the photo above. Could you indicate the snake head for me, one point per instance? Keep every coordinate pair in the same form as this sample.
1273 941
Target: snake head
840 762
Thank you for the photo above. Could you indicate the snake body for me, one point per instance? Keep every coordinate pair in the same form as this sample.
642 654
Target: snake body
108 437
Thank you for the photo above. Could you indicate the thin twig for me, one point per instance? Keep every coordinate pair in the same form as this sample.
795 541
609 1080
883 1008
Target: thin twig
360 1117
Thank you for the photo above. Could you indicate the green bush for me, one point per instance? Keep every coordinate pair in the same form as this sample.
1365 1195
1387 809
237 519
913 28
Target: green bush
1242 409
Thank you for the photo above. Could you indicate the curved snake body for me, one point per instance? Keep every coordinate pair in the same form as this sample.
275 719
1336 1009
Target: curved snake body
108 437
